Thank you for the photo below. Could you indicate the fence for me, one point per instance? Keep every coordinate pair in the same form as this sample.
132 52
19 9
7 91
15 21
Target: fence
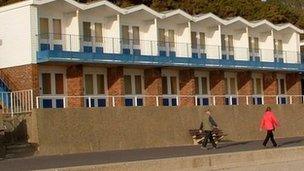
108 45
164 100
16 102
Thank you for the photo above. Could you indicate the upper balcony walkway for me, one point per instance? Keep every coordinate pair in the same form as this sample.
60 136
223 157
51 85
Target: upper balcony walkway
74 48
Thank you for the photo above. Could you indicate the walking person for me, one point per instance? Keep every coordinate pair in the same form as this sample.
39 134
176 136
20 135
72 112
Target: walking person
269 123
207 126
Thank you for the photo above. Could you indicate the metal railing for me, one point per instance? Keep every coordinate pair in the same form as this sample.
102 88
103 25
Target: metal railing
107 45
163 100
16 102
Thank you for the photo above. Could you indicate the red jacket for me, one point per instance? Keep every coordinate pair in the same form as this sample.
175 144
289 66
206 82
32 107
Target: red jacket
269 121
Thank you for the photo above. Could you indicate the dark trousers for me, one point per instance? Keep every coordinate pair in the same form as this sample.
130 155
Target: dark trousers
208 135
271 137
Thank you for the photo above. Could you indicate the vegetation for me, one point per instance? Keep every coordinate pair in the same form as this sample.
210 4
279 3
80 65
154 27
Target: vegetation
276 11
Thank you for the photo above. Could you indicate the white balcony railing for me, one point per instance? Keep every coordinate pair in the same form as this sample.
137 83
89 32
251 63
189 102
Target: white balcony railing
77 43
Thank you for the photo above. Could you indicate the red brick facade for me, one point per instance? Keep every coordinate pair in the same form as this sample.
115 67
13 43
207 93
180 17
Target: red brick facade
74 75
245 86
187 87
153 85
270 84
116 84
23 77
217 85
293 85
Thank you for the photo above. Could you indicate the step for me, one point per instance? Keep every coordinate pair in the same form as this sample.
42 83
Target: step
20 150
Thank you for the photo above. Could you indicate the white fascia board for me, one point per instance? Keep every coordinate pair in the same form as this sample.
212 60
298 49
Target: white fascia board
16 5
145 8
178 12
291 26
236 19
209 15
101 3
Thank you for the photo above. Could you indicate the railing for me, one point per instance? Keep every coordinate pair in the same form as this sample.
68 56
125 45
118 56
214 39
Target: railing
16 102
102 45
164 100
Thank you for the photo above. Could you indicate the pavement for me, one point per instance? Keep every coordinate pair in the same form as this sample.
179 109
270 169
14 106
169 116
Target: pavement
97 158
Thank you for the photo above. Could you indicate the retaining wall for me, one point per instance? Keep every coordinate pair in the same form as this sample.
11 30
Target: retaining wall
61 131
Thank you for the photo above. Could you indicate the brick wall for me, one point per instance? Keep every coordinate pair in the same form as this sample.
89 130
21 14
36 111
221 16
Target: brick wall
293 85
270 87
245 86
23 77
116 84
74 75
217 85
153 85
187 87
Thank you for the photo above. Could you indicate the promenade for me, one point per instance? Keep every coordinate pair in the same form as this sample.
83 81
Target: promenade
99 159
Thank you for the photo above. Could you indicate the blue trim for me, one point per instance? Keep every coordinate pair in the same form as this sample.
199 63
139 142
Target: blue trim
44 46
87 49
99 49
81 57
58 47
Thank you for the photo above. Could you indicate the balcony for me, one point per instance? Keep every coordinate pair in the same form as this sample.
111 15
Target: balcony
79 49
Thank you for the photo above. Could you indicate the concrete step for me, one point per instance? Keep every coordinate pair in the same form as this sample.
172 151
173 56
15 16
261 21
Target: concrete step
20 150
203 162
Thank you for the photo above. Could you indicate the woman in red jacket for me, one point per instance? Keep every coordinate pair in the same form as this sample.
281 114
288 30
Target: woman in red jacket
269 123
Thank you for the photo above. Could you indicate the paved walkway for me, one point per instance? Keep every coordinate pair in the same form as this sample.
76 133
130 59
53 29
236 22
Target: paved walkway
58 161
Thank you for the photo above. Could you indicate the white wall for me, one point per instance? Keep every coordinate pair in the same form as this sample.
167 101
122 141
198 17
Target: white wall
240 41
266 44
17 32
182 36
212 38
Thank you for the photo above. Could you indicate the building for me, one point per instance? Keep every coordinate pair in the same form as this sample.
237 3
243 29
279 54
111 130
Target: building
98 54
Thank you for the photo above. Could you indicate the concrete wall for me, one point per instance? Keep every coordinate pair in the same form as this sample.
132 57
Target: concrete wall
84 130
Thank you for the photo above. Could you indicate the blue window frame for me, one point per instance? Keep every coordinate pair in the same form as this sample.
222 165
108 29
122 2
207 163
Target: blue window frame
47 103
99 49
57 47
44 47
87 49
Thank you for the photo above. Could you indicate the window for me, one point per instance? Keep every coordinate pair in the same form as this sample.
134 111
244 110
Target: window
223 40
258 83
98 32
250 44
136 37
89 84
173 85
282 86
46 83
201 85
44 28
125 35
161 37
230 42
202 41
256 44
171 38
204 85
100 84
59 83
87 31
232 86
128 84
164 85
138 87
196 85
57 29
193 40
